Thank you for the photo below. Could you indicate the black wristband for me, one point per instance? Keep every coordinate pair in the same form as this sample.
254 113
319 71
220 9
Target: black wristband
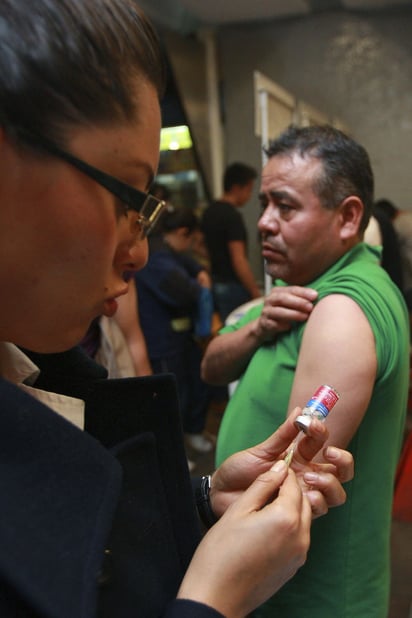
203 502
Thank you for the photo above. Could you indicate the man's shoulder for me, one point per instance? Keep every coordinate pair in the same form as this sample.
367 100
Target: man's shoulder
219 207
221 211
221 204
368 285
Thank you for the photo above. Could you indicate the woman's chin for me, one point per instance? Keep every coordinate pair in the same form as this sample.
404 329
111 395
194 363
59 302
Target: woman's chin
52 344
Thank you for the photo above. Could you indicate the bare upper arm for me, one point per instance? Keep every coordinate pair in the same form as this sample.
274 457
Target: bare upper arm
338 348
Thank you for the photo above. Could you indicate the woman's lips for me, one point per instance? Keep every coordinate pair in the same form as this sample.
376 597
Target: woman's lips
110 307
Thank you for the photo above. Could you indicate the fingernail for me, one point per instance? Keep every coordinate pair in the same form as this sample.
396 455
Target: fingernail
332 452
279 466
311 477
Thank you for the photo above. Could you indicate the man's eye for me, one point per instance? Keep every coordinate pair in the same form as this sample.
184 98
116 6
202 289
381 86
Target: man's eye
285 208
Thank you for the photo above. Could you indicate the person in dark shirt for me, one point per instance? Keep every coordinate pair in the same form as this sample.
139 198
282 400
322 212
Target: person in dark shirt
226 240
170 288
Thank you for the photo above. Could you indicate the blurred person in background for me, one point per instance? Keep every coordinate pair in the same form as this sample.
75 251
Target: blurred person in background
226 240
402 222
170 288
117 343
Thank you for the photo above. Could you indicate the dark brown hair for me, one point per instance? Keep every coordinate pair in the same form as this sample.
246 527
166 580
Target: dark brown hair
66 63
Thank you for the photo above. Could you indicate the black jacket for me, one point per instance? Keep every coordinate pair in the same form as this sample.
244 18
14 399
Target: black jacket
101 522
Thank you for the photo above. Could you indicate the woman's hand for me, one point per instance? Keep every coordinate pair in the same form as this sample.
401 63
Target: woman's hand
321 482
257 545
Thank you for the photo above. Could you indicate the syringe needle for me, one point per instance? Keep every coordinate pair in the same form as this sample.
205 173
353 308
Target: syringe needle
291 450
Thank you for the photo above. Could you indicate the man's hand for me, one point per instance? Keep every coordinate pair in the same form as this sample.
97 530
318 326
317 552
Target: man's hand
282 307
203 279
227 356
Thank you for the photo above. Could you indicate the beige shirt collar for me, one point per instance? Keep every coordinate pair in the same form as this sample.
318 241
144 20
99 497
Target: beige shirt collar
17 368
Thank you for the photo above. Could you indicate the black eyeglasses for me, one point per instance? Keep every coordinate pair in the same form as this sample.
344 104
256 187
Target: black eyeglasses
148 207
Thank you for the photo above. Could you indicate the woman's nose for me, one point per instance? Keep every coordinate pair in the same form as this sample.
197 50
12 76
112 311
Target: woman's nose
138 225
132 250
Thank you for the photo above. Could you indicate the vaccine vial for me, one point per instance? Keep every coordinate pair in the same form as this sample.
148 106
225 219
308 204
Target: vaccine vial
318 406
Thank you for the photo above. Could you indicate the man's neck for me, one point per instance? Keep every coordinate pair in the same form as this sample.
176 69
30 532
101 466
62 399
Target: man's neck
229 198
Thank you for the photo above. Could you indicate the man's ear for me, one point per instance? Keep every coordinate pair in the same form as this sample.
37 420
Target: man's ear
351 213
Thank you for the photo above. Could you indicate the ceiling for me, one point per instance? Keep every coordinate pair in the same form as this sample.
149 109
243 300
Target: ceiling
226 11
186 15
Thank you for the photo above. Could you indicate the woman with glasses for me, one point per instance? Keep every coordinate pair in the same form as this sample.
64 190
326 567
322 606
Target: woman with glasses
97 515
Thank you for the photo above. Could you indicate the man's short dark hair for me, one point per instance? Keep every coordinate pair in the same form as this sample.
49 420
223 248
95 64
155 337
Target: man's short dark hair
238 174
346 165
66 63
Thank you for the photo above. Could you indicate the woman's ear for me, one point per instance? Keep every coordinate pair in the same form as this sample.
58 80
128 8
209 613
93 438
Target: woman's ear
351 213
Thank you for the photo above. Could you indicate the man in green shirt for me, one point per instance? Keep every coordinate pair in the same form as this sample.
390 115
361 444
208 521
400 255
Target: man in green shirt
333 317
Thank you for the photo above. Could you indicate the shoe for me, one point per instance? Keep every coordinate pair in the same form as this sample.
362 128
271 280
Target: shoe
191 465
198 442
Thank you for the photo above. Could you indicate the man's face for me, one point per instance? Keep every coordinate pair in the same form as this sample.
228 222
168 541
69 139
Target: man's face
65 241
300 238
244 193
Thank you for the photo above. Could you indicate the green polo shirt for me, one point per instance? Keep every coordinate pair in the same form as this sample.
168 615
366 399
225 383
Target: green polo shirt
347 571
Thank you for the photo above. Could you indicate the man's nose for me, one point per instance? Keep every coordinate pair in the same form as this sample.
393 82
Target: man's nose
269 220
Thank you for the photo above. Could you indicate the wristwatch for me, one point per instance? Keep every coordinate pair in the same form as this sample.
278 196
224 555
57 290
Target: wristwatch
203 502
